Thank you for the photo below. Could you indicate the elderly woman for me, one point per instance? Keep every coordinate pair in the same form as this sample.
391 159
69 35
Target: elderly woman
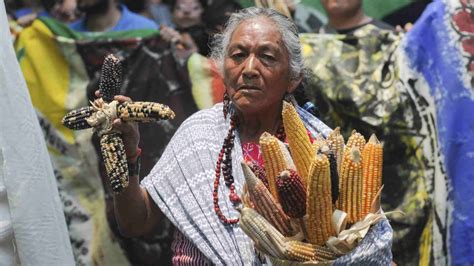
260 57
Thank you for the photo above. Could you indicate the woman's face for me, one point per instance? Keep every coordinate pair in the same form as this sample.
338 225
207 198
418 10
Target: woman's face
256 68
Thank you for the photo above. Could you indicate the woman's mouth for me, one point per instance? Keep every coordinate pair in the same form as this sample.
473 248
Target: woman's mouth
248 88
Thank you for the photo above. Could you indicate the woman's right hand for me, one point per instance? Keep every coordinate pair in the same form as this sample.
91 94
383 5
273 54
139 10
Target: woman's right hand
130 132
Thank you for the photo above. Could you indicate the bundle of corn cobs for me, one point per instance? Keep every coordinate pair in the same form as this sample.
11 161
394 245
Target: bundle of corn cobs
101 115
297 208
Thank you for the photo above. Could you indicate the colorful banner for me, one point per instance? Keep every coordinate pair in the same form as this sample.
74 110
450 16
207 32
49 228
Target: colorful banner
415 92
440 47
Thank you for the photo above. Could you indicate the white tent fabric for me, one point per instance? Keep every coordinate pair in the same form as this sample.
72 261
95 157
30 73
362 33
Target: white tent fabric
32 225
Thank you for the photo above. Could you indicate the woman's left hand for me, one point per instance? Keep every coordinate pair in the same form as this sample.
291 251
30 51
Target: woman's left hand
130 132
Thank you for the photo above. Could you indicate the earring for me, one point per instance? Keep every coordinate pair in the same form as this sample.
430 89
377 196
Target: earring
289 97
226 104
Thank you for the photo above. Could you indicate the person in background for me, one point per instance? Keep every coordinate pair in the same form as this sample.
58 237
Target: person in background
190 33
160 12
27 11
306 18
346 16
156 10
108 15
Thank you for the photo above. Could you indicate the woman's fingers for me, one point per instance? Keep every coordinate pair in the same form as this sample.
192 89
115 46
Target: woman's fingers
130 135
122 99
127 128
119 98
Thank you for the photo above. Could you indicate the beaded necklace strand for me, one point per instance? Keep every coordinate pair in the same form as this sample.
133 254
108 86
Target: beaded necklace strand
224 163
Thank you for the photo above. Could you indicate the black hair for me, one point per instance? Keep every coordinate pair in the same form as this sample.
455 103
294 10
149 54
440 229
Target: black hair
172 3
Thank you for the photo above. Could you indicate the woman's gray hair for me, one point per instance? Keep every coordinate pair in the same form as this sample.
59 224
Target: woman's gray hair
286 27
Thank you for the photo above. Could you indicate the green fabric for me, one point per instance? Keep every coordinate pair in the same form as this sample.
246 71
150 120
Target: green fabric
374 8
62 30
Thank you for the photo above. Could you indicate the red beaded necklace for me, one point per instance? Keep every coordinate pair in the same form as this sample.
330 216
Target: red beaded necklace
224 163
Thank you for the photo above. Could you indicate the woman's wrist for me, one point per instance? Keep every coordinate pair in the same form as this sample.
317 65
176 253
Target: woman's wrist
133 154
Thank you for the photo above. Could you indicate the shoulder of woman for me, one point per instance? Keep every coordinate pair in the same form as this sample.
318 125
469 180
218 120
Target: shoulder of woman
204 118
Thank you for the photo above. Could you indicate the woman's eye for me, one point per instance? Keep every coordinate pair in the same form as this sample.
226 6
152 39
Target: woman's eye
268 57
238 56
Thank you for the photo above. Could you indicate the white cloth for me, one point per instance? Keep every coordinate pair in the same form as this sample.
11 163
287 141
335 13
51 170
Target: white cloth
29 206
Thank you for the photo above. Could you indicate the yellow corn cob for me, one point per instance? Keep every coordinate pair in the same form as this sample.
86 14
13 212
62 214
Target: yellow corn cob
320 146
336 144
286 154
274 161
319 203
355 140
265 204
300 251
265 236
372 157
298 139
350 183
323 254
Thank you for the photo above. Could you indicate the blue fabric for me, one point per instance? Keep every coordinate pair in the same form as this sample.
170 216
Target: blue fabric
161 14
128 21
432 51
26 11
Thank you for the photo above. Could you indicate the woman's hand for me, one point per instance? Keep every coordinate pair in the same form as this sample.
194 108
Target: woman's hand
182 41
130 132
170 35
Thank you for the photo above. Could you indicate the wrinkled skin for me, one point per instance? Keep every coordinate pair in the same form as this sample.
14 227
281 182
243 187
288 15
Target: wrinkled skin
256 69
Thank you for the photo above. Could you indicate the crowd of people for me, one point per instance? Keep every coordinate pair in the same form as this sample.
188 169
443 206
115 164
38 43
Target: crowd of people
259 58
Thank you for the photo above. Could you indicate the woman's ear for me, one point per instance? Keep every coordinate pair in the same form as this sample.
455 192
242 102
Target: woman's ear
294 83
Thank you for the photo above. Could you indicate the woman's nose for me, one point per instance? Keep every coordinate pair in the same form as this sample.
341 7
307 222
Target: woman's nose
250 70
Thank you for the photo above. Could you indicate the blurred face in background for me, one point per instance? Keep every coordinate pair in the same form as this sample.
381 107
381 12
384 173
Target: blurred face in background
93 6
341 7
187 13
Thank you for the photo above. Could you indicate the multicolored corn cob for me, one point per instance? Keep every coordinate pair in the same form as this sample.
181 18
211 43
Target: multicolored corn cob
292 194
144 111
350 192
263 234
336 144
259 172
110 78
115 161
265 204
319 203
372 157
300 144
273 159
76 119
104 111
127 111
